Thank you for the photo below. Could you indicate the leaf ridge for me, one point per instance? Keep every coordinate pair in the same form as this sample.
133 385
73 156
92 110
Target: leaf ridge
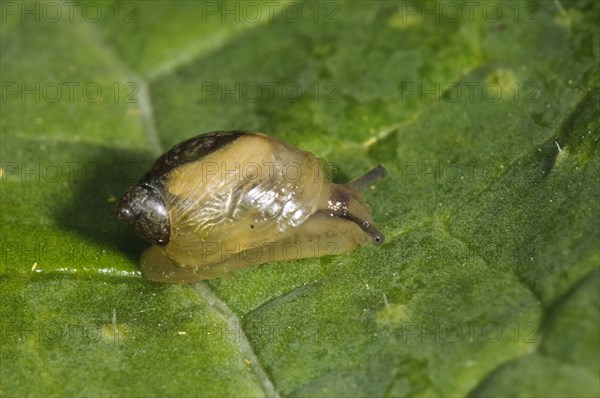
234 322
200 48
144 99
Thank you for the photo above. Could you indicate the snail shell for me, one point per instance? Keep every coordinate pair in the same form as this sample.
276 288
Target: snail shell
230 199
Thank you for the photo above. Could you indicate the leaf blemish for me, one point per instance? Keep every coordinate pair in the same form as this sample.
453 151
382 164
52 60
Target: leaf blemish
392 314
561 154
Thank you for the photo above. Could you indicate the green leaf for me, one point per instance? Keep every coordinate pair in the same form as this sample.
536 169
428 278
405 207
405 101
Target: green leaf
486 116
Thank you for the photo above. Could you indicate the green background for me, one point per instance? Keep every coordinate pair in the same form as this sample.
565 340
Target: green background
485 114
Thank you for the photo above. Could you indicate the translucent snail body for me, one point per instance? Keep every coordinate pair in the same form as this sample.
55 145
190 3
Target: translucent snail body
227 200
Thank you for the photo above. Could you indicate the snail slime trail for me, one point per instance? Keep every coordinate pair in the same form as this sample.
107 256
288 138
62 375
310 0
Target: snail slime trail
226 200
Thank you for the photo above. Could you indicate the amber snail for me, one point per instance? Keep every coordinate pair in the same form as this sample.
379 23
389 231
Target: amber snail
230 199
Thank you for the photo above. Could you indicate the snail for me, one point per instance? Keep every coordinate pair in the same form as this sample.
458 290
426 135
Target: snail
226 200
